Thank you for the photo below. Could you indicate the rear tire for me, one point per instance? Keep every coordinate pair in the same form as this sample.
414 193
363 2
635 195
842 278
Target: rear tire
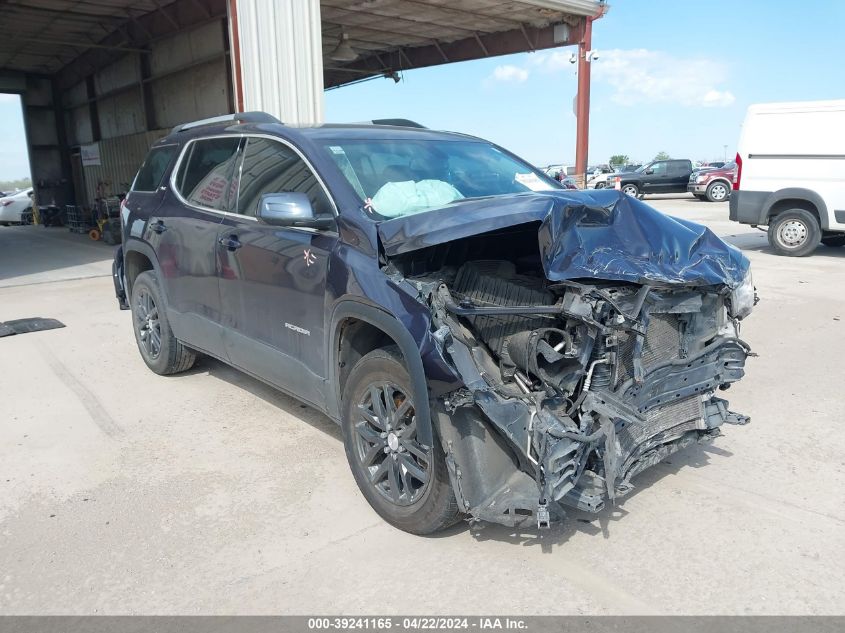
600 185
407 485
794 233
834 241
162 352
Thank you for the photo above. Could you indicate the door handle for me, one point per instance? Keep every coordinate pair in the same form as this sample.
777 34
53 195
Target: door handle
230 243
158 227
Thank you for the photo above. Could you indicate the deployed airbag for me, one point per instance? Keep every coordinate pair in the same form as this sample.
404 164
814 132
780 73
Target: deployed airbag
399 198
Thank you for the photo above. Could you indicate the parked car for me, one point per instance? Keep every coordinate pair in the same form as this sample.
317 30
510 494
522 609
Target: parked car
12 206
714 184
569 183
555 171
598 177
790 174
494 348
659 176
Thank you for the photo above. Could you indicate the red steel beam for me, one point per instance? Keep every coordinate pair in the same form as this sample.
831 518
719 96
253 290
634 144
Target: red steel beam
582 101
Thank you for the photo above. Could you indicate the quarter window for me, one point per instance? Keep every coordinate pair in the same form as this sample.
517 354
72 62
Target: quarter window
206 174
272 167
152 171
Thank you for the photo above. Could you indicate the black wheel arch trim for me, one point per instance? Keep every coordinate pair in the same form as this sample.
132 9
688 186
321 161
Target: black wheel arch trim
391 326
138 246
798 193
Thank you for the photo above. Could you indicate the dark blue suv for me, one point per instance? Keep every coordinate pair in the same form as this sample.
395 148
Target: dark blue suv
494 347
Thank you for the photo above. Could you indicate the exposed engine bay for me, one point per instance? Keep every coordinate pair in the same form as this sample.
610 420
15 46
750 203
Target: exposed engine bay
571 387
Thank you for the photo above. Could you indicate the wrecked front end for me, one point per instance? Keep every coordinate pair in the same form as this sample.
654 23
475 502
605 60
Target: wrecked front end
589 348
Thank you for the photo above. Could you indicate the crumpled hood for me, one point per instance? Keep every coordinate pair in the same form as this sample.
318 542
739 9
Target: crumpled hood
603 234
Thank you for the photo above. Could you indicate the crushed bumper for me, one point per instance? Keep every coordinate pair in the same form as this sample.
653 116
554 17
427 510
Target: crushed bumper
518 458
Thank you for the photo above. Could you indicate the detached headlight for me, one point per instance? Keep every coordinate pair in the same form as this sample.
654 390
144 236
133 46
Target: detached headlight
743 298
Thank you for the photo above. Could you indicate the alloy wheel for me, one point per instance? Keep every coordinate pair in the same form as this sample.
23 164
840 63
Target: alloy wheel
629 190
148 324
718 192
398 466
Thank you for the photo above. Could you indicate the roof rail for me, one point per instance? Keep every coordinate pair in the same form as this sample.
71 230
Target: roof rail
398 122
242 117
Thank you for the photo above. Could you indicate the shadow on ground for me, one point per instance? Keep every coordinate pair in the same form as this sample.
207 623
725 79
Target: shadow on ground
576 522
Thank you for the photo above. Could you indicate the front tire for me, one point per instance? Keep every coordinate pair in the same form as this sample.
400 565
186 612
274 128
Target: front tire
600 185
631 190
161 350
794 233
717 191
406 483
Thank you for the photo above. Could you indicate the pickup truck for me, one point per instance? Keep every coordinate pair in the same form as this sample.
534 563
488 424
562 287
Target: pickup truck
659 176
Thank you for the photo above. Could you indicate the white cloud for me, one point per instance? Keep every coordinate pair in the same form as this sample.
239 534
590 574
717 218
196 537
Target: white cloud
640 76
509 72
552 61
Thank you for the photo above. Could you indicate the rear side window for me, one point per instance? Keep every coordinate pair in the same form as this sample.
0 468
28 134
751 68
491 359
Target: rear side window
152 171
206 173
272 167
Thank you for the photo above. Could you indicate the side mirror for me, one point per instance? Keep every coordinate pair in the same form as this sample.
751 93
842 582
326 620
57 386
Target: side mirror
290 209
649 171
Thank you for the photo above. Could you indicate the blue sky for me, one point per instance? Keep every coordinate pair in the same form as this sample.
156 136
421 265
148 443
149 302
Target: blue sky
672 75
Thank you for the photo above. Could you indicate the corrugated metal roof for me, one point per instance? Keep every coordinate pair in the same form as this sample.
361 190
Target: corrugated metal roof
80 36
386 36
42 36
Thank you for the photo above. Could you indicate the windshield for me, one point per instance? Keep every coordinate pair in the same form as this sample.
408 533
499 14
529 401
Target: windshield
399 177
642 168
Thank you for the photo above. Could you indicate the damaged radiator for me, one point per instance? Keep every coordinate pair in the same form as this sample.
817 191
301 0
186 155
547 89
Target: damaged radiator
662 343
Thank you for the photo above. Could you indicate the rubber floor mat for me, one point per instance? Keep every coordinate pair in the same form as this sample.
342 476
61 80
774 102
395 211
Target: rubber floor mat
24 326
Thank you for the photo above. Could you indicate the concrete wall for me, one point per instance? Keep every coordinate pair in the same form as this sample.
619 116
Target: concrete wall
138 96
192 77
130 103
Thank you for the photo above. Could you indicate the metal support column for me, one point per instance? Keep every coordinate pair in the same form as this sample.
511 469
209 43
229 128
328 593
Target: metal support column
582 105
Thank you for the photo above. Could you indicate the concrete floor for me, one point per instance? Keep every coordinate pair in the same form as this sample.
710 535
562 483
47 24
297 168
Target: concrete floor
125 492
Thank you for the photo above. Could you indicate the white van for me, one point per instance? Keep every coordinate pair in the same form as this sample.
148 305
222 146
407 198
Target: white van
791 174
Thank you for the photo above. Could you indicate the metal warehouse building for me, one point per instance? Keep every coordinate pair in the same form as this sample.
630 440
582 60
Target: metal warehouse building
101 80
